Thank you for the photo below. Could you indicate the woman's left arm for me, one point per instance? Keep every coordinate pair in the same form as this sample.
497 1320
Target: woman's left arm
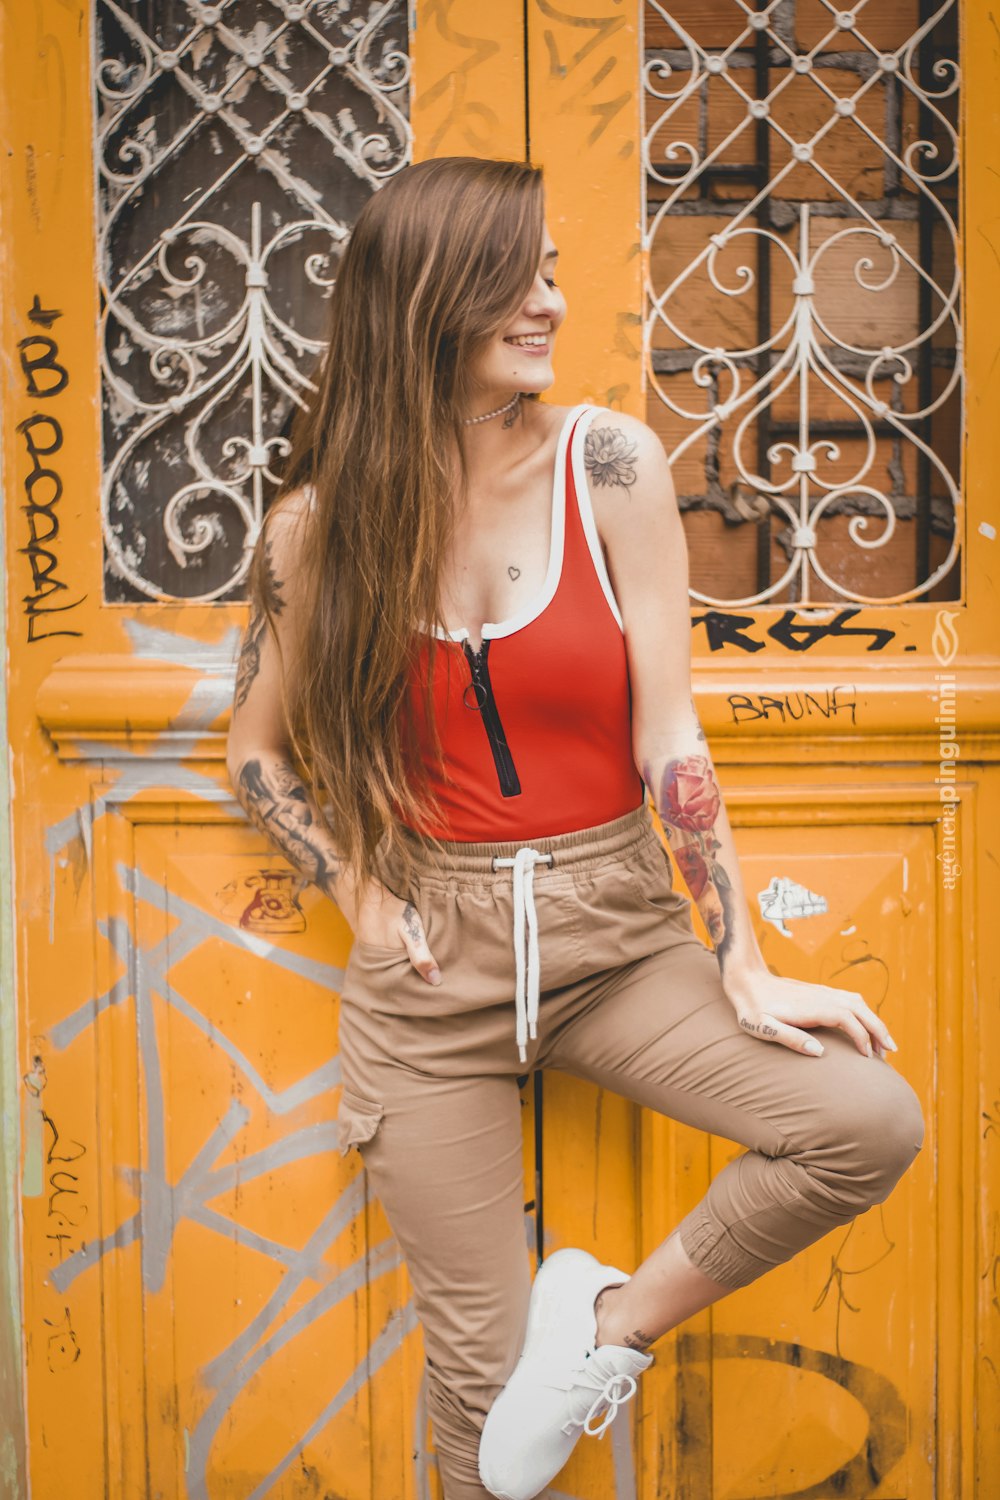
646 552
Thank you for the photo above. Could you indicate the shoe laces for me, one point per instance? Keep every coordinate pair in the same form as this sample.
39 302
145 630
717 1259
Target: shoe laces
612 1392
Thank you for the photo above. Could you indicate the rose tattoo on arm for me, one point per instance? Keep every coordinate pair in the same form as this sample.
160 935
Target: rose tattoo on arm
689 801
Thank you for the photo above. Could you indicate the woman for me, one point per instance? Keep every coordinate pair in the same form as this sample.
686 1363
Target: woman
466 672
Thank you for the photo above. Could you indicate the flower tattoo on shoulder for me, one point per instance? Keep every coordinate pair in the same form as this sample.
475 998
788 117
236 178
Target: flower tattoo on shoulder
609 457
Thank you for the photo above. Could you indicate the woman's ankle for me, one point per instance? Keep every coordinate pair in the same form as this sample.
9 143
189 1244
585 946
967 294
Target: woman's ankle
612 1321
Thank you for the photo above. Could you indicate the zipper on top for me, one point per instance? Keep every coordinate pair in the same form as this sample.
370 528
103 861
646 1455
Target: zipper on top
484 703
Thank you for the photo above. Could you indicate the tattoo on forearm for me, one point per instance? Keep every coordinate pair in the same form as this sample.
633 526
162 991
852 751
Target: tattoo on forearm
276 800
609 457
253 639
688 801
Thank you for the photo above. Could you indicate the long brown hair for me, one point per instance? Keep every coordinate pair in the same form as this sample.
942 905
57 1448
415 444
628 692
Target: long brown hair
439 259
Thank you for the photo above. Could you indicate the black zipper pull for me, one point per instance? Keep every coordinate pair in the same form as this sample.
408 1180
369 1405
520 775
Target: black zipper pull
480 692
485 704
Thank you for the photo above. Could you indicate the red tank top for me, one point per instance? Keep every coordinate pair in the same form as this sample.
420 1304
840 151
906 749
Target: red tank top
536 726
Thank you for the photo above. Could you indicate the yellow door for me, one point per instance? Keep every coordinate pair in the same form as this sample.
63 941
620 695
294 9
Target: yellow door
204 1299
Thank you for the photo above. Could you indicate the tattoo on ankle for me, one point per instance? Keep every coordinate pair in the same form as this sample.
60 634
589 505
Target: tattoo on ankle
639 1340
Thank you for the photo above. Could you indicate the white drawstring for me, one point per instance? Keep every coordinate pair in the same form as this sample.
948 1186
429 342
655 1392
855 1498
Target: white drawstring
527 965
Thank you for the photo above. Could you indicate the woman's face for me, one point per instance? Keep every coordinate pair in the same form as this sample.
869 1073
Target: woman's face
520 357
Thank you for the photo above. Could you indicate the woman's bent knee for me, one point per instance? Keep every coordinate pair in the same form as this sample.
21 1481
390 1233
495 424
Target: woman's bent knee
906 1135
866 1138
888 1129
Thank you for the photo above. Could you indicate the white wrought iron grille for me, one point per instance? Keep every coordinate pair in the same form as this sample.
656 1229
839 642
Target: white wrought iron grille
236 144
801 330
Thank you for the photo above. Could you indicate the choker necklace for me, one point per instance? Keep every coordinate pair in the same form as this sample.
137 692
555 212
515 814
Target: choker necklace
499 411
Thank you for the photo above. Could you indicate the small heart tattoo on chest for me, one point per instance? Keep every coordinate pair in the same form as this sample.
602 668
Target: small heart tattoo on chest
513 573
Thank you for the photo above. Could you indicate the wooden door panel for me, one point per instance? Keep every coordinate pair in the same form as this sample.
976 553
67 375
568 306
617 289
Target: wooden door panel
239 1241
826 1365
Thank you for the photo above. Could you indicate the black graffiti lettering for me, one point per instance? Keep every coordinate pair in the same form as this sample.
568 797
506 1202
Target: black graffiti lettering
62 1347
43 486
748 707
30 427
42 362
848 704
35 514
77 1148
46 316
59 1190
42 564
797 635
768 704
40 477
727 630
63 1185
743 708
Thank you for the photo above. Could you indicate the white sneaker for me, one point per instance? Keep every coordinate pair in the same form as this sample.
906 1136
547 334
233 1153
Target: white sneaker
561 1382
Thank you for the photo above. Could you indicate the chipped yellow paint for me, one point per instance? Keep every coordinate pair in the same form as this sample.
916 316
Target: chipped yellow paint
468 79
584 108
176 989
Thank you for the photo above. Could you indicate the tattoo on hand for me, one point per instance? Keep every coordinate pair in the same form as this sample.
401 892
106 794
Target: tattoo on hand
758 1027
609 457
412 923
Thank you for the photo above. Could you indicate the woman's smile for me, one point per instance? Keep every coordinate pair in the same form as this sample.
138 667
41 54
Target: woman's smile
535 344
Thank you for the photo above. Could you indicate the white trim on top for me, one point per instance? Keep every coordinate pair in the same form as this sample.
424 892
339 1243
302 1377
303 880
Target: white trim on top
586 509
492 630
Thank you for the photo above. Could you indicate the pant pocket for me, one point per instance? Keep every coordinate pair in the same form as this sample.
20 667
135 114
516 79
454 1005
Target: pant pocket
357 1120
652 876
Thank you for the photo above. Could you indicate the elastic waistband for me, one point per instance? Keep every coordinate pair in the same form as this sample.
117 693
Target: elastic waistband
569 851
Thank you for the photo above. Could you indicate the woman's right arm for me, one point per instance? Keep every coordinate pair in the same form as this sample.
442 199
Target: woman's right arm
259 761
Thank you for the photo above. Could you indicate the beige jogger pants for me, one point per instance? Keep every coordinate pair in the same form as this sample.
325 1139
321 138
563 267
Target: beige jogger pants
626 995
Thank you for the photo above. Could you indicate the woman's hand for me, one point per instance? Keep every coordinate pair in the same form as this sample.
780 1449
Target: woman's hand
776 1010
385 920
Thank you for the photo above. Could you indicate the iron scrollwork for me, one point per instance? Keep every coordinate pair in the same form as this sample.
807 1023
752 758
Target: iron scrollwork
236 144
